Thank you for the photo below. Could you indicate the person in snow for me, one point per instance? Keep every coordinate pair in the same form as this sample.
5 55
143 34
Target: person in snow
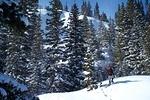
110 74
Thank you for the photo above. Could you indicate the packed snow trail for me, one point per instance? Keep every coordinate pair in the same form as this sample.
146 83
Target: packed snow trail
106 95
124 88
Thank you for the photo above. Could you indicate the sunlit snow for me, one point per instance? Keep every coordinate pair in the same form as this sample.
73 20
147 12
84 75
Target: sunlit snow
124 88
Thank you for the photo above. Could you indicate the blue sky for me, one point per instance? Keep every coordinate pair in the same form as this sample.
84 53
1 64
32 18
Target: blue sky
107 6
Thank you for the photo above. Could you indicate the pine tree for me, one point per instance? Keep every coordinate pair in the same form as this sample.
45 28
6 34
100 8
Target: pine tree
76 50
103 17
146 5
93 42
17 51
66 7
102 36
147 47
96 11
130 7
54 31
84 8
89 54
117 15
112 36
135 43
17 56
125 23
146 42
60 5
89 9
3 46
36 56
130 38
120 44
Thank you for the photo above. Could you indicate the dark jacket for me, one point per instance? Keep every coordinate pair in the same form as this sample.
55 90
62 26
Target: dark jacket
110 71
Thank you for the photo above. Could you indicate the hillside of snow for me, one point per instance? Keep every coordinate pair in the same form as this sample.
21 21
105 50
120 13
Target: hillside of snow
124 88
65 17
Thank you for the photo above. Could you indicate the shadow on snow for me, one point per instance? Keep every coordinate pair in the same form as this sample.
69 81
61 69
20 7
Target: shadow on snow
119 82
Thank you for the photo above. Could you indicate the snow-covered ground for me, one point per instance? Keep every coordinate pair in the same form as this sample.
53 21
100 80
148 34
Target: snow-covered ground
124 88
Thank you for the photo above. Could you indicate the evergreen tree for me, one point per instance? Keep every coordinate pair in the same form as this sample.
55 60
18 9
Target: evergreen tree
84 8
89 9
117 15
60 6
17 56
130 38
93 42
17 51
76 50
129 13
103 17
121 37
112 36
134 56
146 5
36 56
127 25
54 30
147 38
3 46
146 42
102 36
66 7
96 11
89 54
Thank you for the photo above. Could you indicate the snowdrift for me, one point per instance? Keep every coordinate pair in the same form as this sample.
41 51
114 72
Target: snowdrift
124 88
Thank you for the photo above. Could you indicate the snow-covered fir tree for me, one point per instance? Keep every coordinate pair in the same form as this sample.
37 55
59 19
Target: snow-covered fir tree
102 36
147 26
119 41
17 51
3 46
86 9
112 36
75 50
89 38
135 55
36 63
54 53
130 37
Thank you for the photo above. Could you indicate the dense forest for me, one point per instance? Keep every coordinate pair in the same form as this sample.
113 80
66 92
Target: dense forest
63 59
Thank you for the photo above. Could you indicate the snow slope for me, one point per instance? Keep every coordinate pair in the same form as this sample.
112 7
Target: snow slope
124 88
65 18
